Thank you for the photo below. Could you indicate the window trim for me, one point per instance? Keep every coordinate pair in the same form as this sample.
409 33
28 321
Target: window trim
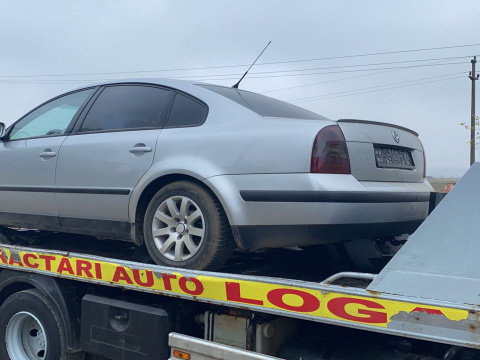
77 121
86 111
70 126
203 104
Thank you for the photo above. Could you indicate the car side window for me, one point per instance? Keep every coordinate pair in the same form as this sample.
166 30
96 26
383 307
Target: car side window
128 107
186 111
52 118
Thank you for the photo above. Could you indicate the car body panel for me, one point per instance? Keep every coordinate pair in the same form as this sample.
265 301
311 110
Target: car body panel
241 212
364 168
229 146
362 136
100 187
258 167
32 175
378 133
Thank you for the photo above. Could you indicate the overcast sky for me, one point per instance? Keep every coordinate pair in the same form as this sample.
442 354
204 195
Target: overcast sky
61 39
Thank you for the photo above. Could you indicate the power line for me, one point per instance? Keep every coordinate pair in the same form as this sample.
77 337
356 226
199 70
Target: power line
241 65
329 81
340 66
376 86
269 72
377 90
200 77
362 65
372 54
54 81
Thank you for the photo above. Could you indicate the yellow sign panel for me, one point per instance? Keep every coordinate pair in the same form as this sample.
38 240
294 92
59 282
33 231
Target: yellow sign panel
328 305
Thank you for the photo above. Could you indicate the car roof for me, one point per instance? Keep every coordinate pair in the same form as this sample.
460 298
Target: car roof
184 85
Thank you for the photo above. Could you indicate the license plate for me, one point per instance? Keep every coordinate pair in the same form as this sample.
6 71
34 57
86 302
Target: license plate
395 158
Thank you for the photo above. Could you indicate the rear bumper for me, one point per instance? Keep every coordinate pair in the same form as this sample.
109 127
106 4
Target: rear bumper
249 238
277 210
317 199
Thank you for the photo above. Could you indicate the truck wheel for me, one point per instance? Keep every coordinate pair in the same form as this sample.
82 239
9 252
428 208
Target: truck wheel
186 227
31 328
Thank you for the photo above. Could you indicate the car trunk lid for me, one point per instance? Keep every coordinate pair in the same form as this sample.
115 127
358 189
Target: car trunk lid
383 152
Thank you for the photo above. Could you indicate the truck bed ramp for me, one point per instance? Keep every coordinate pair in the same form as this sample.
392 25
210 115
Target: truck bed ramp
441 259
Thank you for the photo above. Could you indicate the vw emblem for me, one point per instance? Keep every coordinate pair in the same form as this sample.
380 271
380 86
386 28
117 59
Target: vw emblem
396 136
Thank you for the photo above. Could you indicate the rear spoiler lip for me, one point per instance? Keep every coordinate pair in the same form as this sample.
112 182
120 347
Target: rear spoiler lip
377 123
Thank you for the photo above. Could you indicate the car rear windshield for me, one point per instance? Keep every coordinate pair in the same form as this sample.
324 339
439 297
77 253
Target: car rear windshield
264 105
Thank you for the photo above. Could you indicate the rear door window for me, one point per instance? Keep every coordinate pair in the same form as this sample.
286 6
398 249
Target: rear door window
186 111
124 107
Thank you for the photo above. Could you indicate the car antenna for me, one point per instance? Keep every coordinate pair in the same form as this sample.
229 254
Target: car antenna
246 72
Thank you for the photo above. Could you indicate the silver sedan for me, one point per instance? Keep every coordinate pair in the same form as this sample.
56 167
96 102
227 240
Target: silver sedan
194 171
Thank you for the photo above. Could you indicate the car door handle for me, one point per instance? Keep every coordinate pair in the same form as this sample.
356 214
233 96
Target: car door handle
48 154
140 149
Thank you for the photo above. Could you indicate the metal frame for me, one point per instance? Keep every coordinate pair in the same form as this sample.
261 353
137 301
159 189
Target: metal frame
205 349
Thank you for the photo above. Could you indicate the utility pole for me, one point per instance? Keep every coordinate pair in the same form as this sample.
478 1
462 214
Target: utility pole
473 77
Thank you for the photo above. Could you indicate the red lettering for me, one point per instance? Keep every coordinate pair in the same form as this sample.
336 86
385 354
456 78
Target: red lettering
428 311
309 302
12 261
48 261
121 275
182 282
84 267
337 307
98 271
2 258
65 265
233 294
166 280
26 260
149 281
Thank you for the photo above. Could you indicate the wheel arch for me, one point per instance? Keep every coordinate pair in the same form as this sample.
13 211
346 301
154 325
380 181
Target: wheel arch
149 191
12 282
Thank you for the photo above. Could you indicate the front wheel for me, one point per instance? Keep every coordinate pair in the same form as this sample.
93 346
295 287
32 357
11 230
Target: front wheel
185 226
31 329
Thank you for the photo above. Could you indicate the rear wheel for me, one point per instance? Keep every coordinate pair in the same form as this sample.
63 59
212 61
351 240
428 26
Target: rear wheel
31 328
185 226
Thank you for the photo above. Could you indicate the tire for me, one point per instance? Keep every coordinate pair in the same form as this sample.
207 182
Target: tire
185 226
31 328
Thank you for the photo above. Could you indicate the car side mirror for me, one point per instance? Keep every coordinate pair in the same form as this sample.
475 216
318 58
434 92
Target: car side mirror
2 130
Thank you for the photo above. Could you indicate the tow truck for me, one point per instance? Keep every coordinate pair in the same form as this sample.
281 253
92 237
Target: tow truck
102 301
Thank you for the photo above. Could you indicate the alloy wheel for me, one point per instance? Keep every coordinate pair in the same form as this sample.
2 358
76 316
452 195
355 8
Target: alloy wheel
178 228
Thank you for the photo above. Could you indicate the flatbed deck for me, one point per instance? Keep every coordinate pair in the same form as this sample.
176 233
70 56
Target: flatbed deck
324 301
428 291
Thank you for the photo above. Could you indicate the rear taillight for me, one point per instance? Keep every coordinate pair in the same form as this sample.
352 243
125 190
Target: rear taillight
329 153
